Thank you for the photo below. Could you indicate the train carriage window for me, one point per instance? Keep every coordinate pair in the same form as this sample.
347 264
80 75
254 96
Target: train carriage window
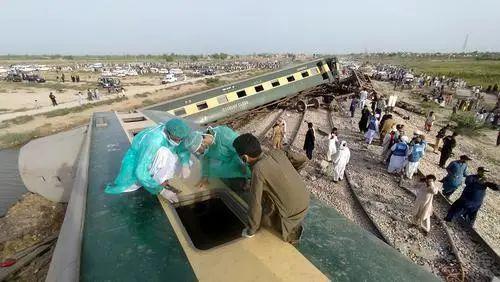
180 112
275 83
290 78
305 74
241 93
314 71
202 106
222 99
259 88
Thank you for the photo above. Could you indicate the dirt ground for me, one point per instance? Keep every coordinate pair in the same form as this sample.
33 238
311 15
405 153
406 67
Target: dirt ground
30 221
41 125
480 147
34 219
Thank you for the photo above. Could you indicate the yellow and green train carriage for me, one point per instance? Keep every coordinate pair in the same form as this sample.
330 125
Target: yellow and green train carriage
221 102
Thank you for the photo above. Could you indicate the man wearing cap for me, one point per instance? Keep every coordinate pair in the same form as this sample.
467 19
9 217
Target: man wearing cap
472 197
278 195
152 158
214 148
457 170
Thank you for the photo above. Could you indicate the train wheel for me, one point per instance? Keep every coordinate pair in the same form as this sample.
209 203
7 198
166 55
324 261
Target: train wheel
314 103
301 106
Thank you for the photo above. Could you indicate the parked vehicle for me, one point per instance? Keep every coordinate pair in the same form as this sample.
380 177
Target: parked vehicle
14 77
34 78
169 78
109 82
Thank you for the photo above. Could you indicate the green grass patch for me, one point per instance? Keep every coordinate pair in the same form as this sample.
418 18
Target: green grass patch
475 71
147 102
466 124
142 95
16 139
21 119
213 82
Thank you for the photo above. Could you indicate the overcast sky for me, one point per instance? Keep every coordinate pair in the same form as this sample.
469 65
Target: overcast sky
243 27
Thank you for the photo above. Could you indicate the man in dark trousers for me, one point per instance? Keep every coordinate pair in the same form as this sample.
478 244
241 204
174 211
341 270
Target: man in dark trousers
449 142
309 141
439 137
53 99
472 197
354 105
278 195
363 122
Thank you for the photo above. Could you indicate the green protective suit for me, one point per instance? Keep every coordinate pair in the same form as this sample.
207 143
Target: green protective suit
221 159
135 167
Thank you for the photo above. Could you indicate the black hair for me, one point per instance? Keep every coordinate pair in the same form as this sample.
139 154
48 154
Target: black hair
431 177
334 130
310 124
247 144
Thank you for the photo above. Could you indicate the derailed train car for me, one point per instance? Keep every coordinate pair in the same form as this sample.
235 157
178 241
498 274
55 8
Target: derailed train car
140 237
221 102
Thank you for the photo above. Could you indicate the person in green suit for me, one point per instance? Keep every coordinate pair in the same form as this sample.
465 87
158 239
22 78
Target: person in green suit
214 148
151 151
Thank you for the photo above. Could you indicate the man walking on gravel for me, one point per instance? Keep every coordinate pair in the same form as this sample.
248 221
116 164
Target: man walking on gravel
449 142
309 140
426 189
439 137
472 197
53 99
457 170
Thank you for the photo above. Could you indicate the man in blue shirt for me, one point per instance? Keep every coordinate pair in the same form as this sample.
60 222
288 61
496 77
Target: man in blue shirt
472 197
457 170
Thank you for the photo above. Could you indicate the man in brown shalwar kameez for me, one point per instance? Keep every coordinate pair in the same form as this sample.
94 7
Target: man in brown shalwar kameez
278 195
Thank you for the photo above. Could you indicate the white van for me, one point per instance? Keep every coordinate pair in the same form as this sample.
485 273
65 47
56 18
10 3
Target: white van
169 78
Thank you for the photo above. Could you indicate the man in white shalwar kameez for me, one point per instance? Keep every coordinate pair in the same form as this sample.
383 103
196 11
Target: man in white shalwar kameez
340 161
372 129
332 144
400 152
426 189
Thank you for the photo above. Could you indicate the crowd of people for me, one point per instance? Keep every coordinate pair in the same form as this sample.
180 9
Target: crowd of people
402 155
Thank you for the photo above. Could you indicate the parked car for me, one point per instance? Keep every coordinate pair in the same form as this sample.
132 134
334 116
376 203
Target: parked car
208 72
34 78
109 82
14 77
169 78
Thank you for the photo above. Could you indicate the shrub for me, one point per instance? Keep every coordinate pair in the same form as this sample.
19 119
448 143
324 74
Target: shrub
147 102
21 119
466 124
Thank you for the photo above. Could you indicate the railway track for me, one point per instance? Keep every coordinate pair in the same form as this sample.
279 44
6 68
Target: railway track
374 200
459 255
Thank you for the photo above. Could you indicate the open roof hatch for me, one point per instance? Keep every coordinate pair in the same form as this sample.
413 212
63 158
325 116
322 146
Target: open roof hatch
212 220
